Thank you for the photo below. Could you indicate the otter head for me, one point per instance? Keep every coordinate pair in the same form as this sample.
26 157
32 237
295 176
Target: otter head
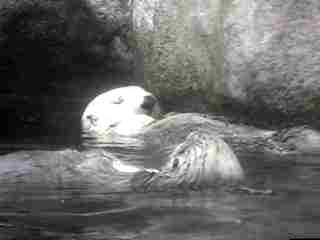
124 110
202 160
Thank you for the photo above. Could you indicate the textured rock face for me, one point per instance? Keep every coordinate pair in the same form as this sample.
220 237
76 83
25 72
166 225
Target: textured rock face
260 55
272 54
180 48
45 40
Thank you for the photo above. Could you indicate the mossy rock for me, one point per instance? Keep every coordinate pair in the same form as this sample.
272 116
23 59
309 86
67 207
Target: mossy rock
182 49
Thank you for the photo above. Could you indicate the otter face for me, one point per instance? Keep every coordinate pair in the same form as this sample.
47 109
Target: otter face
125 109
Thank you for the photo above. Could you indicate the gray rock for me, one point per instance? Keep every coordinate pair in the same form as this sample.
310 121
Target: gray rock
45 40
59 49
260 55
179 49
272 54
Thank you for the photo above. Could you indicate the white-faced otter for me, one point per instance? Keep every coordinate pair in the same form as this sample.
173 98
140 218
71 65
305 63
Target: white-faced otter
169 153
106 120
137 152
125 110
200 161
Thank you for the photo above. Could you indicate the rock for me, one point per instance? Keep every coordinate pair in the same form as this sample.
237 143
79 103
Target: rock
258 58
179 51
42 42
271 58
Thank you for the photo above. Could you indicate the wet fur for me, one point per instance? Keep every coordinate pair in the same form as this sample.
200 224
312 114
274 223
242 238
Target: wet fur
181 156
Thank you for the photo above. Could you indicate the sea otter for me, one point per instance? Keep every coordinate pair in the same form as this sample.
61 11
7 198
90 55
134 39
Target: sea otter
153 156
181 151
241 137
202 160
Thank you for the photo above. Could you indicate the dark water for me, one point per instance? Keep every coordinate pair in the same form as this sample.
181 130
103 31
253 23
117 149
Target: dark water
292 210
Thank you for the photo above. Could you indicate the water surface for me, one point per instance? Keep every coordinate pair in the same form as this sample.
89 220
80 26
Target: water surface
292 210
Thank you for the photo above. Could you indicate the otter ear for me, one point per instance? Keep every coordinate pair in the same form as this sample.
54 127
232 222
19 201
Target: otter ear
119 100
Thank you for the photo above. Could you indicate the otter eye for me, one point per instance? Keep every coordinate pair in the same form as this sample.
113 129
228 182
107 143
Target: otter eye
92 119
119 100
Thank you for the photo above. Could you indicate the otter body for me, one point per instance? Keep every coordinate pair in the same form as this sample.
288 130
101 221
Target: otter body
170 131
54 171
132 111
241 138
180 151
198 160
125 150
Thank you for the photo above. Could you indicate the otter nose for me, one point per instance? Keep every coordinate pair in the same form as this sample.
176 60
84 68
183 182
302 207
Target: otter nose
148 103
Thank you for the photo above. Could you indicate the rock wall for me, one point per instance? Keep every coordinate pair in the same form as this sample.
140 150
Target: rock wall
180 45
252 57
52 38
272 51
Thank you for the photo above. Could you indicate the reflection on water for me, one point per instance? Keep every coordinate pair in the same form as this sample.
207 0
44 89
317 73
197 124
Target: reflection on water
291 211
